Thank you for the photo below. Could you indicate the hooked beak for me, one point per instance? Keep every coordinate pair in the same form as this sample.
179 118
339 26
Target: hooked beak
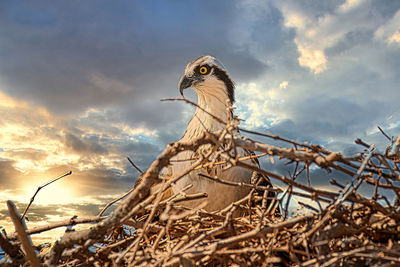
184 83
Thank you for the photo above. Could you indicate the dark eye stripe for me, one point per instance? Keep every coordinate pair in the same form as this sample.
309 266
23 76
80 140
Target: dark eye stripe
223 76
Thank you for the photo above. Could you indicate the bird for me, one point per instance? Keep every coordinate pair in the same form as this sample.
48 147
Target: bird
215 93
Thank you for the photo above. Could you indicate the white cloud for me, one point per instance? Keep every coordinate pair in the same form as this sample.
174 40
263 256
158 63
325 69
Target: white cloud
311 55
342 102
259 105
314 59
395 38
295 20
389 32
349 5
314 34
283 84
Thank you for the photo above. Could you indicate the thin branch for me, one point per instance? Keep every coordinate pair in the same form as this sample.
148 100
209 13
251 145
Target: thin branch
114 201
134 165
68 222
39 188
387 136
196 105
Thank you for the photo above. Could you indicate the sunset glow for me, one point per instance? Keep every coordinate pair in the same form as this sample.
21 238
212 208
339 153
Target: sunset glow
56 193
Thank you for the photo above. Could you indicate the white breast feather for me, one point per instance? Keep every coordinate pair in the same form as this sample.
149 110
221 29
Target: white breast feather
212 98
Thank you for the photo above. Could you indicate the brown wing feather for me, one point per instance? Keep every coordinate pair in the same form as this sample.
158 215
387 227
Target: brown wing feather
262 180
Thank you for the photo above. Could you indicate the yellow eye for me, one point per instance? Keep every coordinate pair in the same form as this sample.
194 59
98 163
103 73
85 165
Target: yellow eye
203 70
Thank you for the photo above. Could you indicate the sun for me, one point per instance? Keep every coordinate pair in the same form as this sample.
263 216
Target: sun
55 193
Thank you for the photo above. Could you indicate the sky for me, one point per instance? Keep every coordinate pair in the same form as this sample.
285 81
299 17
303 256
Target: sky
81 83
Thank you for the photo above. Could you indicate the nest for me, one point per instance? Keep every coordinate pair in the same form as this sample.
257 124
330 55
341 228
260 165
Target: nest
340 228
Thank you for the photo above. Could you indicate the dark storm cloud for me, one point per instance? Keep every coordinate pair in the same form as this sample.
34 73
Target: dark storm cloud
332 117
142 154
84 145
319 177
388 9
87 209
317 8
99 181
73 55
350 40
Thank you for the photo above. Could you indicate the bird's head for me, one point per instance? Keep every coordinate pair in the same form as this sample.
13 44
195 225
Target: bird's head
209 77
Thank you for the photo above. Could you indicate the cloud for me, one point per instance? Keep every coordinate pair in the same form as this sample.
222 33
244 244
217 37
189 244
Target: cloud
313 59
349 4
317 31
8 174
283 84
88 145
389 31
126 65
80 87
311 52
83 193
37 146
353 91
395 38
256 104
39 215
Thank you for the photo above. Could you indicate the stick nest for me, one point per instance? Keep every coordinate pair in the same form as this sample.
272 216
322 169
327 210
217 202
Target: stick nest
333 228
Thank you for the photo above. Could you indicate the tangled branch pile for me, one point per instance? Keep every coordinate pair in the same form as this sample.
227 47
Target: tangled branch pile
346 228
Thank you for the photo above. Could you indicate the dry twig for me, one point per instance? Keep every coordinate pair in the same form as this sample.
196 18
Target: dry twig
39 188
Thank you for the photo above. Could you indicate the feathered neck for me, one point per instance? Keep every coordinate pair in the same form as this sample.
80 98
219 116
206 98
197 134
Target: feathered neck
212 98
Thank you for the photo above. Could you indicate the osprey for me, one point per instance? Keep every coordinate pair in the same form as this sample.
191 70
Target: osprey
215 92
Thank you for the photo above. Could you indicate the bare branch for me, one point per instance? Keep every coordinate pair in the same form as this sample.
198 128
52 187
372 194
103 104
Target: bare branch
39 188
25 240
134 165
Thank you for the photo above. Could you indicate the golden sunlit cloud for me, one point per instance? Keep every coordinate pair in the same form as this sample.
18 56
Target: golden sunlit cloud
38 146
307 41
7 101
314 59
283 84
295 20
37 140
395 38
315 34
